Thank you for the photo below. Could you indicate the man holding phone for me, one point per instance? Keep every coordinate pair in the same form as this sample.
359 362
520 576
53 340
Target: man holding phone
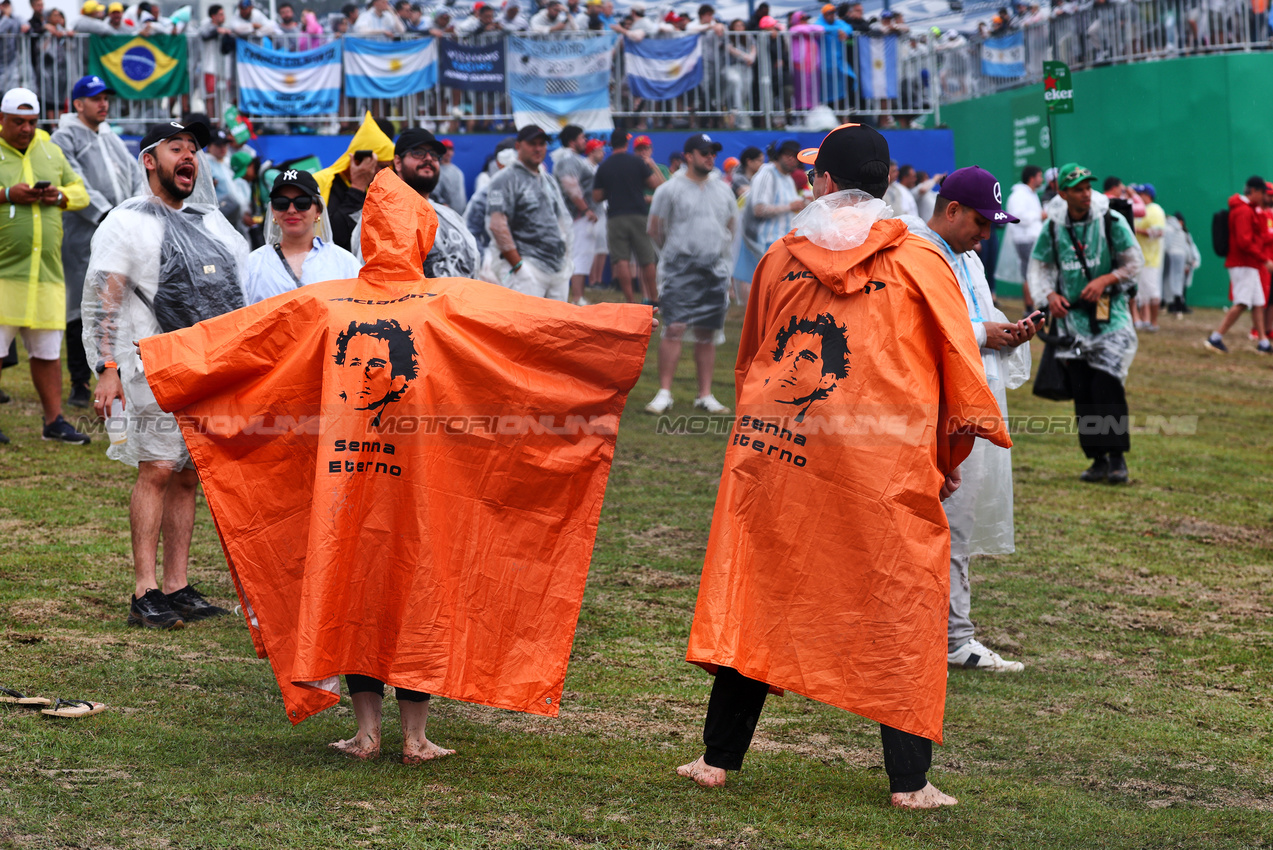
36 183
980 511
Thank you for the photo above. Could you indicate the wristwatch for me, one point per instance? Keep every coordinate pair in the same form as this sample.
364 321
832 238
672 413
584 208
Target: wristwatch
103 365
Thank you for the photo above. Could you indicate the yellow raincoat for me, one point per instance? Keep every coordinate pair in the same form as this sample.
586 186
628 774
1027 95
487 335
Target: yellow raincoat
32 288
368 138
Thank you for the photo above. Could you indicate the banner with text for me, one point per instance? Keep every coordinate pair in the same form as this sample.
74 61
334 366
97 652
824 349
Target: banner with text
279 82
555 83
472 67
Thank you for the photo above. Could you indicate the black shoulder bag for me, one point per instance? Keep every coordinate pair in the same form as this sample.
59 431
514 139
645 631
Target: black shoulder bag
1052 380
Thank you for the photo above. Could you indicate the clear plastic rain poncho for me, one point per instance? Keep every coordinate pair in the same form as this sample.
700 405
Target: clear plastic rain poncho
982 506
698 221
155 269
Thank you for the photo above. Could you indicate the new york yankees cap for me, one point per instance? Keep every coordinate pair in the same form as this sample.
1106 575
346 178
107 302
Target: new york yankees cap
977 188
302 180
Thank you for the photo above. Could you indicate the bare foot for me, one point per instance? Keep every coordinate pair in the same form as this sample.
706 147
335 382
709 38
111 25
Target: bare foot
927 797
703 773
359 747
418 753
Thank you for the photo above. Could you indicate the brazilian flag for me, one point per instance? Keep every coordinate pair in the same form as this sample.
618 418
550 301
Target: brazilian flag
139 68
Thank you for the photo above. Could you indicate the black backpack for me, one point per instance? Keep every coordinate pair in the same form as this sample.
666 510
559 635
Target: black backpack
1220 233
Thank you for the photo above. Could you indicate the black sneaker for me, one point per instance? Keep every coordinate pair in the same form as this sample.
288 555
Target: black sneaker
62 431
154 612
1118 473
191 605
1097 472
1215 343
4 397
4 439
80 396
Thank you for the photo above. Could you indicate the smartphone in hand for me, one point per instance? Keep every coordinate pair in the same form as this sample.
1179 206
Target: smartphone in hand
42 185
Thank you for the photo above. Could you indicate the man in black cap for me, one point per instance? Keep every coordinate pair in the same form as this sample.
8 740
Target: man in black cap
849 315
530 224
417 158
160 262
692 220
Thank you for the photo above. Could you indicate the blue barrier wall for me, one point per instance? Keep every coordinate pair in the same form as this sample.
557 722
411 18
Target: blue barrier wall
928 150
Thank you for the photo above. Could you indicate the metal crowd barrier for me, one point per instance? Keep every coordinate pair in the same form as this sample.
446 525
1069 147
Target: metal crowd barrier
750 80
1109 33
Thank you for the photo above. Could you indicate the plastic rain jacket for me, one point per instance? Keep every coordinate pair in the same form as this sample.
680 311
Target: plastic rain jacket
406 474
982 506
859 386
111 175
32 287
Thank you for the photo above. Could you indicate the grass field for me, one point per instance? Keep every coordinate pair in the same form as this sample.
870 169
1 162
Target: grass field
1144 718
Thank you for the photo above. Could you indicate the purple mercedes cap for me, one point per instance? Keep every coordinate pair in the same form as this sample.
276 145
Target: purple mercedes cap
977 188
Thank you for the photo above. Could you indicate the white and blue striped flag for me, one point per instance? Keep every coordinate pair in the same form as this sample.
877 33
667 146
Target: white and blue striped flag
663 68
1004 56
877 66
275 82
390 68
553 83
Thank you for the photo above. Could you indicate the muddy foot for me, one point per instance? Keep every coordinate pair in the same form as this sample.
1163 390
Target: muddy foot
927 797
703 773
358 748
416 754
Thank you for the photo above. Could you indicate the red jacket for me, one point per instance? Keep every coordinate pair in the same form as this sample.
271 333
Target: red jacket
1247 235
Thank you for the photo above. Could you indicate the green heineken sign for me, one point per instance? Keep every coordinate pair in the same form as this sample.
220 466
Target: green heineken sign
1058 88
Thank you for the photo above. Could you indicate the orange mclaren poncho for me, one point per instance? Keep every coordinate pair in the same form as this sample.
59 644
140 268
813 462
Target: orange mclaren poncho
859 386
406 474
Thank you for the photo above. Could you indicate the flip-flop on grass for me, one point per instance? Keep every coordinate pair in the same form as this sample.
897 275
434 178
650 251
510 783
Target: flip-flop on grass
12 697
74 708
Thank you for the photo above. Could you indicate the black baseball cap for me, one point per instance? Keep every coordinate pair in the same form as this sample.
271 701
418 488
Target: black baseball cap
845 150
302 180
531 133
158 132
414 137
702 143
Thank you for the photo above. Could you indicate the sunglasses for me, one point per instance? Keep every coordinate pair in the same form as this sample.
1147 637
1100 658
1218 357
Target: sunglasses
281 204
424 153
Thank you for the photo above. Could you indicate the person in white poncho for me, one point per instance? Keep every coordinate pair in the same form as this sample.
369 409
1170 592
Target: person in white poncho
160 262
980 511
111 175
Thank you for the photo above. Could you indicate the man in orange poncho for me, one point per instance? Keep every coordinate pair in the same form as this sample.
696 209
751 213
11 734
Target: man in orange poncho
406 474
859 392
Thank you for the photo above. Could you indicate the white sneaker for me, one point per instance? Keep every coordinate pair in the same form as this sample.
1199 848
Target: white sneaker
661 402
582 302
974 656
710 404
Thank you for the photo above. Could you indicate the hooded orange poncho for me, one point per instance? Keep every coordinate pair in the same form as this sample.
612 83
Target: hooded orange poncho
406 474
859 386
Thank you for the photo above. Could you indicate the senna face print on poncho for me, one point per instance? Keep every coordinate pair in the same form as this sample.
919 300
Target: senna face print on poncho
406 473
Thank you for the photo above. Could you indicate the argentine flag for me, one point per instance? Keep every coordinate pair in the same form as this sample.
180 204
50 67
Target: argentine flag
663 68
555 83
276 82
1004 56
877 66
390 68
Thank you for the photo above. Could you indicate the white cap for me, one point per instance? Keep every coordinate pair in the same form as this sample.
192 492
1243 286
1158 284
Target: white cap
20 101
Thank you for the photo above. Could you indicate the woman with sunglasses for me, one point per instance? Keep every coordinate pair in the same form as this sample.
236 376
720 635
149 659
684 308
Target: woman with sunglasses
298 249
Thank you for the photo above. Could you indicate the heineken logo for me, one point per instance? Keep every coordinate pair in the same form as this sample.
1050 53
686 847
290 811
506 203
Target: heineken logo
1059 94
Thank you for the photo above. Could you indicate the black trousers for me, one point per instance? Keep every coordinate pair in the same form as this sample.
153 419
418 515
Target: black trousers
367 685
76 359
1100 406
734 709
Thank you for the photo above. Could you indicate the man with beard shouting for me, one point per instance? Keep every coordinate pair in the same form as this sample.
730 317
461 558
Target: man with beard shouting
160 262
417 158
